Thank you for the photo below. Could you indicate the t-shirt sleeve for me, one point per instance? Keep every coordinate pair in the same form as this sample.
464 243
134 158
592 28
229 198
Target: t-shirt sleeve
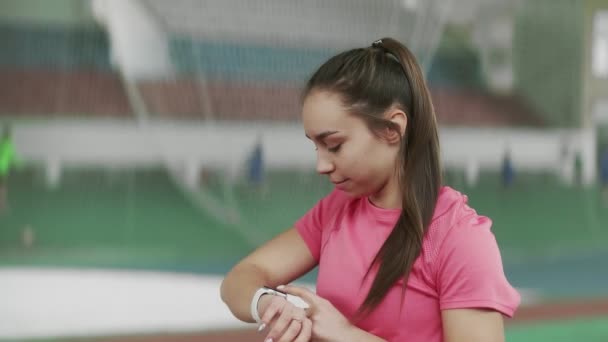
470 272
317 219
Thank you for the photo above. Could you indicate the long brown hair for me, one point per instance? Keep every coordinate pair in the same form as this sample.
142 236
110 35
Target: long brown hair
369 82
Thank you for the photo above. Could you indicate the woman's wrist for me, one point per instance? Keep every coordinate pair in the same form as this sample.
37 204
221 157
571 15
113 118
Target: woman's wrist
263 303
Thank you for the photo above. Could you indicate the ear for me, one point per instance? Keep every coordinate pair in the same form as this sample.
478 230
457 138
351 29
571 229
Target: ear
398 117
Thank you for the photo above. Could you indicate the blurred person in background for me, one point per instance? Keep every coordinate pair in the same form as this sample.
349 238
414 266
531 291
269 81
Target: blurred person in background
604 174
578 169
7 162
401 257
255 167
508 172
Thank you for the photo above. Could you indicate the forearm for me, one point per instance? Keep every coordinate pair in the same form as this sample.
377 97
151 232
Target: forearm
238 289
358 335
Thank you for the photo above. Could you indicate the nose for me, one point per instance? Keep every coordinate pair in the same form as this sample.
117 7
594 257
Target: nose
324 164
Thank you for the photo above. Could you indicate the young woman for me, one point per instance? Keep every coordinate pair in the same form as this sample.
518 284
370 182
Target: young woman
401 257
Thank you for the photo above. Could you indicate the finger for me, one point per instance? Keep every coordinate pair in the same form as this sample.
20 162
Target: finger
305 331
273 309
281 324
292 331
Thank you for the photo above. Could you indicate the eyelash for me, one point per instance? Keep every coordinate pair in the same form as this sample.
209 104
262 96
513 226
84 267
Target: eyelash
335 148
332 149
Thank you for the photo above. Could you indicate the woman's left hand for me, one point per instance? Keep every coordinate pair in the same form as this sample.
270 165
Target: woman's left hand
328 324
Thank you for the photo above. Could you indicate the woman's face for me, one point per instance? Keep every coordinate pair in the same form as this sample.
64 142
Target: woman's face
355 160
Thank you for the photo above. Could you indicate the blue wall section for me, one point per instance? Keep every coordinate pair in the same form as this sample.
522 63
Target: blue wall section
53 47
83 47
220 60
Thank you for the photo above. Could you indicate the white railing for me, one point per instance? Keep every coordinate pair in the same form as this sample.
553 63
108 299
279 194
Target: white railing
191 146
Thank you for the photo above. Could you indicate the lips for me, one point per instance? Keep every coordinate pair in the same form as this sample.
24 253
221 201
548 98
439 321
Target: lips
339 182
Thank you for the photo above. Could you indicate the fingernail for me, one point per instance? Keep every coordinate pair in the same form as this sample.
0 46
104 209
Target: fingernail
261 327
268 340
280 287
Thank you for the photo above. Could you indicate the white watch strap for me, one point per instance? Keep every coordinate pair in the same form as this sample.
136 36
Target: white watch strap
256 298
254 304
295 300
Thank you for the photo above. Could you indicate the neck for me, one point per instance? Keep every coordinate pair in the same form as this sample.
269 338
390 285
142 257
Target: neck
389 196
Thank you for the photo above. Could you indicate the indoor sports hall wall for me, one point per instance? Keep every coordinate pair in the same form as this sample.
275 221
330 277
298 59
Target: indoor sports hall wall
135 122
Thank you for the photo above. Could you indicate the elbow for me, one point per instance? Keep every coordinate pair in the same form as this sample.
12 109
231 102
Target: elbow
228 284
224 288
225 296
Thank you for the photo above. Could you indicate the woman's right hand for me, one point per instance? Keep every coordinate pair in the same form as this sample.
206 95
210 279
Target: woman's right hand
286 322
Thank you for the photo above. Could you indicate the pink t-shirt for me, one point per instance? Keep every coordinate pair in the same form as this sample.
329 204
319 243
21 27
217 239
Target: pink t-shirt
459 265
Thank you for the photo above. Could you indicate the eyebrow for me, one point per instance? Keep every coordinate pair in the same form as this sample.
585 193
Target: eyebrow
321 136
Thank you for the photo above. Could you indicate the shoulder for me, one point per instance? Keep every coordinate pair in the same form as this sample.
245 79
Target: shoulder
463 260
455 225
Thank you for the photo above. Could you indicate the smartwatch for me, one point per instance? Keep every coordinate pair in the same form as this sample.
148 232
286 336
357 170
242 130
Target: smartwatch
295 300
